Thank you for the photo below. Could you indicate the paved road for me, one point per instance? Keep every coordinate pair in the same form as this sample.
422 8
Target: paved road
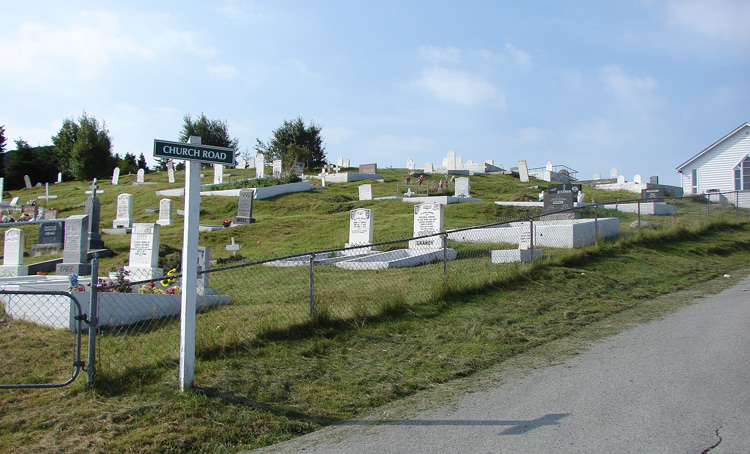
676 385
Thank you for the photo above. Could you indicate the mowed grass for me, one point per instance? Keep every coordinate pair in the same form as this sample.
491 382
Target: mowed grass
268 371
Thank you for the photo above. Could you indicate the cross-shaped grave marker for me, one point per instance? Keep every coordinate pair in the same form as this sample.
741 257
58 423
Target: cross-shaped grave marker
94 189
46 192
408 193
234 247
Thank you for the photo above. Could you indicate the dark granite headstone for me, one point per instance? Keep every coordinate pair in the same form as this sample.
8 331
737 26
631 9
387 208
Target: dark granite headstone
52 232
559 205
554 188
92 208
244 207
654 180
652 195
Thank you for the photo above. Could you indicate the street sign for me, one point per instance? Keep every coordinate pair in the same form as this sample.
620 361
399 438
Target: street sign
193 152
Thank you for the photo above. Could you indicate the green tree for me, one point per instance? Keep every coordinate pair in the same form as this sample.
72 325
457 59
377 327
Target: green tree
142 163
83 149
127 164
294 142
20 164
211 132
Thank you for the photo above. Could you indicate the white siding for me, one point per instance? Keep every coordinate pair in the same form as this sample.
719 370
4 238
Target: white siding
716 167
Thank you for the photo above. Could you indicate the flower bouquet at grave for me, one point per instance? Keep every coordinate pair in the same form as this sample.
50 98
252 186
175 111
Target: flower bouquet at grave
226 223
168 286
73 284
120 284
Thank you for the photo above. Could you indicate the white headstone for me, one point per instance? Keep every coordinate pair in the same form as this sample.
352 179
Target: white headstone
347 162
428 220
490 162
218 174
549 166
340 161
170 171
451 160
621 179
410 164
524 239
165 212
76 248
597 176
124 215
365 192
144 252
59 177
523 171
580 197
204 256
251 163
613 173
459 163
13 254
360 229
116 176
140 176
242 164
276 168
637 179
462 187
428 168
260 166
27 181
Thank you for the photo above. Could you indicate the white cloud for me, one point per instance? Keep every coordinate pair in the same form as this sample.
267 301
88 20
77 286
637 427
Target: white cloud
223 71
518 56
632 92
726 19
437 55
236 9
458 86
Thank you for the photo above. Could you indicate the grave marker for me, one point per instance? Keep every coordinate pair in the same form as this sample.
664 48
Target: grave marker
365 192
13 254
613 174
251 163
428 220
27 181
368 168
428 168
462 187
76 248
218 174
92 208
116 176
165 212
339 161
653 195
170 171
347 163
233 247
361 225
653 180
559 205
140 176
410 164
260 166
124 217
276 168
59 177
144 252
523 171
637 179
51 234
242 164
451 160
244 207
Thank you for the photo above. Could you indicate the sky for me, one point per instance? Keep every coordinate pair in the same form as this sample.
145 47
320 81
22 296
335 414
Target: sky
639 85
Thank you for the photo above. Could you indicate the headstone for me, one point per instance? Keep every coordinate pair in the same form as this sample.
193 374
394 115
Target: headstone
170 171
276 168
597 176
140 176
613 174
51 234
428 220
459 163
244 207
347 162
549 166
428 168
523 171
144 252
621 179
2 188
490 162
524 239
92 208
451 160
653 180
298 168
218 174
553 188
368 168
13 254
462 186
124 217
559 205
409 193
653 195
49 215
76 248
251 163
365 192
116 176
165 212
203 264
59 177
360 230
637 179
27 181
15 201
410 164
242 164
339 161
233 248
260 166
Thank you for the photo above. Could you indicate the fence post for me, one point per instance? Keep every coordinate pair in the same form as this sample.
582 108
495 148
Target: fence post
93 321
708 197
531 239
736 206
596 222
312 285
639 214
445 258
674 218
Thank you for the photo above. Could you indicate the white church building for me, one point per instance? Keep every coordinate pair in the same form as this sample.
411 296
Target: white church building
724 166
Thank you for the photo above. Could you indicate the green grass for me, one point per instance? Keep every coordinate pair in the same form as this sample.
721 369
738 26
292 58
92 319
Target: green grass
267 371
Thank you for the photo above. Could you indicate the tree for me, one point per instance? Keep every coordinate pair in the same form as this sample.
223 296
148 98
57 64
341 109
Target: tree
127 164
294 142
142 163
83 149
2 151
211 132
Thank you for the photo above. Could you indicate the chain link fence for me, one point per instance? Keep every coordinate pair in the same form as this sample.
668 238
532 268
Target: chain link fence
265 297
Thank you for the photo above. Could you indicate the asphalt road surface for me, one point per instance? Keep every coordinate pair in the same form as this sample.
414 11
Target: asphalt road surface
675 385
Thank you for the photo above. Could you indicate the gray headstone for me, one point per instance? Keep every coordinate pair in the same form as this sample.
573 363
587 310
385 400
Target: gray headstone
170 171
242 164
245 207
558 203
92 208
652 180
523 171
27 181
76 248
368 168
52 232
203 264
653 195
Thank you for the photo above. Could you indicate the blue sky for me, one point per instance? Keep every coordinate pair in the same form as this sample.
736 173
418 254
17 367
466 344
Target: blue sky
637 85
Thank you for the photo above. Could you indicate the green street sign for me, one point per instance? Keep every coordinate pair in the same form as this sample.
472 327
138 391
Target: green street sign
193 152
